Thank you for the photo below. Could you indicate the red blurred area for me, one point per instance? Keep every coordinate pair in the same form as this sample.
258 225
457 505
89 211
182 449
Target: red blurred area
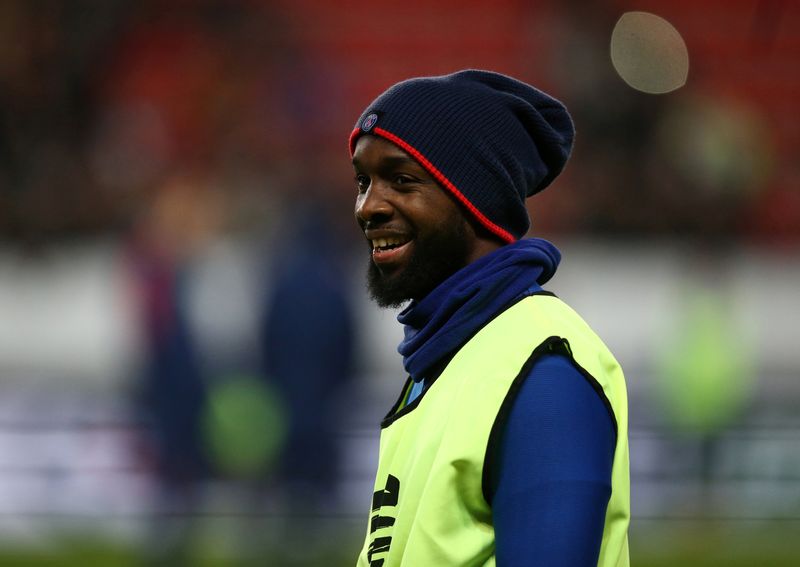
103 105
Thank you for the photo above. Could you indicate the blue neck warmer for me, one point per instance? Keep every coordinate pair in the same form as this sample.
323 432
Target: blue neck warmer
454 311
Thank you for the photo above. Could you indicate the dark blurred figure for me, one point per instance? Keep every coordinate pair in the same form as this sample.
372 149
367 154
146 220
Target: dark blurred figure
309 343
172 391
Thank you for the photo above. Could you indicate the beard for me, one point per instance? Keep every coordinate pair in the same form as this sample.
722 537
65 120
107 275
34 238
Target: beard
435 258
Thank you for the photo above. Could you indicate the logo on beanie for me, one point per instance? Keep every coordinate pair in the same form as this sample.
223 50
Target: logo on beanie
369 122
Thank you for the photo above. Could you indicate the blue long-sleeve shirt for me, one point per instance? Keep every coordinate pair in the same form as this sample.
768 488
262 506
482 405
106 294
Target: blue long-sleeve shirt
550 473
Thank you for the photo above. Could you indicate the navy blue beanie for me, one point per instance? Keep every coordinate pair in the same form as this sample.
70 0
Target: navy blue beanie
489 139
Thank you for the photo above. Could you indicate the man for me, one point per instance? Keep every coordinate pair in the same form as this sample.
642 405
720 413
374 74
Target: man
508 444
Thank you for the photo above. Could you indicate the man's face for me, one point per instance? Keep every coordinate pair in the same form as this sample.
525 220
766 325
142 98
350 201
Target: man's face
417 234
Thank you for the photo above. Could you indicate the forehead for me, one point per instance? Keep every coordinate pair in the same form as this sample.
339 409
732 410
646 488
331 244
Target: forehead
373 150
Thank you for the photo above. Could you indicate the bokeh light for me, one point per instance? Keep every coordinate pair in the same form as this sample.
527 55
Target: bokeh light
649 53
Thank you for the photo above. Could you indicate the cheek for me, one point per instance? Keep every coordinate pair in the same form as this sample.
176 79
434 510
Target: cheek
449 213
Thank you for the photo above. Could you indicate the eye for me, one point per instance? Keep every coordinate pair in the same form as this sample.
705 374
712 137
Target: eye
362 182
403 179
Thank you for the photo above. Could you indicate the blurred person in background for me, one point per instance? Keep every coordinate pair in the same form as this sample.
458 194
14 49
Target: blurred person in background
173 389
308 338
509 439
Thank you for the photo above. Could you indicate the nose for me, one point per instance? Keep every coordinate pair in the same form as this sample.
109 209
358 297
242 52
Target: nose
372 206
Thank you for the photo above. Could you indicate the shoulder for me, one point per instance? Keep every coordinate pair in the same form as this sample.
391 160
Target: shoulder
556 423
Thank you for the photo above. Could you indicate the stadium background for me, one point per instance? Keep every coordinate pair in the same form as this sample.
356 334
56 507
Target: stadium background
174 183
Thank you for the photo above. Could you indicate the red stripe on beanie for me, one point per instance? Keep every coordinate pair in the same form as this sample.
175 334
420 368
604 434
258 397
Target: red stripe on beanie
352 141
440 177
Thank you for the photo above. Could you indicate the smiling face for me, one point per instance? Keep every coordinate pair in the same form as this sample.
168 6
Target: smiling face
417 234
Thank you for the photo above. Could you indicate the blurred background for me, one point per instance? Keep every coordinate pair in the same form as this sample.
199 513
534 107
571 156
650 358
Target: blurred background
190 370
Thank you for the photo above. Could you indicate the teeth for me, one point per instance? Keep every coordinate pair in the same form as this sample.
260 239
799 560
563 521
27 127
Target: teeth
384 242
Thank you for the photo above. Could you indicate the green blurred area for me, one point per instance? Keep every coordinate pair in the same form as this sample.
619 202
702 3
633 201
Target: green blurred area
653 544
244 426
